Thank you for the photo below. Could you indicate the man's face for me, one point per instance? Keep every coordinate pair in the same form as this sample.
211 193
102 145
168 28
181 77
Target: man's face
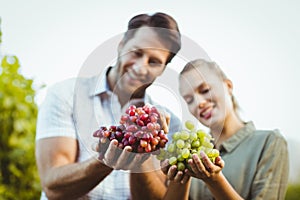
141 59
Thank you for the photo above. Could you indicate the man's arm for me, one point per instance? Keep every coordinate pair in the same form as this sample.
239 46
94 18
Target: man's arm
149 185
61 176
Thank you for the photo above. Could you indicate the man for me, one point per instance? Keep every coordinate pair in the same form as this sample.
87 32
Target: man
66 166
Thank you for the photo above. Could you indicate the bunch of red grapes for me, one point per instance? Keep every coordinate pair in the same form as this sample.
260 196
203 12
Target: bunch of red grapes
139 128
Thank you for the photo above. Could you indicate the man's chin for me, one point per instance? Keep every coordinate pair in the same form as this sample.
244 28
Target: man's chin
139 92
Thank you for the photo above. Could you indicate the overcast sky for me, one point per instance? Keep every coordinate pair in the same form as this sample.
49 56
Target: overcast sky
257 43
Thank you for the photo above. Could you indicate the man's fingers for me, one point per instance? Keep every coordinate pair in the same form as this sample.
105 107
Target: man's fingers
109 156
122 161
95 146
164 120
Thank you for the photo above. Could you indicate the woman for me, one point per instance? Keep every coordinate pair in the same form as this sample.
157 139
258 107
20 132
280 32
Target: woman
256 160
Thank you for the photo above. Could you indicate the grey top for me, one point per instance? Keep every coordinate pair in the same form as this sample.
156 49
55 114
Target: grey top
256 165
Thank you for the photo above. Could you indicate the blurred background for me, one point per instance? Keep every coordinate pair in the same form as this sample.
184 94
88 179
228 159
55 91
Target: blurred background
43 42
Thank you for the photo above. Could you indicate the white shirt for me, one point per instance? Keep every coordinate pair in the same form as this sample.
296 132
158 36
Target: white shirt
76 108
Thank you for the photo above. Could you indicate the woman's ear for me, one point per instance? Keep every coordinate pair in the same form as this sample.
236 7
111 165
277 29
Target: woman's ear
229 86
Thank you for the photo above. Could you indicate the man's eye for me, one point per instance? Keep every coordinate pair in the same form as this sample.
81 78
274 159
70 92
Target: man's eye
137 53
155 63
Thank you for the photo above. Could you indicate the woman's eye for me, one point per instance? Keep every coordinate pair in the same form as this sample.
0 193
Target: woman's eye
204 91
189 100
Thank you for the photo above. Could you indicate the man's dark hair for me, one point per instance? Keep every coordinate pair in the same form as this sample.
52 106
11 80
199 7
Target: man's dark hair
165 26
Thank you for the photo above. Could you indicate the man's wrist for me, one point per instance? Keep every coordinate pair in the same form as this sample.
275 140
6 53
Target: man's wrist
101 166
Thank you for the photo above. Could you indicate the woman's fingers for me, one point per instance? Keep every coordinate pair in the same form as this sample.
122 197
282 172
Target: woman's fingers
179 176
165 166
196 164
172 172
220 162
185 178
206 161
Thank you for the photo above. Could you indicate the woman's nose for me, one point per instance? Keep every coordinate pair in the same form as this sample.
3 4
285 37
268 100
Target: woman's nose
201 102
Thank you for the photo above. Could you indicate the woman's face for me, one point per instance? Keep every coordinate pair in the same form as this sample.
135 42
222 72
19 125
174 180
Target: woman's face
208 96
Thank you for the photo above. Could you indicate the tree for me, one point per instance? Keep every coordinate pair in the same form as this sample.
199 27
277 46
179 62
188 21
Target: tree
18 113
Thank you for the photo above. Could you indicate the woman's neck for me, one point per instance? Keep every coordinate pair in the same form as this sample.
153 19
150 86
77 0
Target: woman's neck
231 126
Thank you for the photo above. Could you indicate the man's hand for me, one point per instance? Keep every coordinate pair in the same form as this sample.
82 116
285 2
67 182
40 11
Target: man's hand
165 119
117 158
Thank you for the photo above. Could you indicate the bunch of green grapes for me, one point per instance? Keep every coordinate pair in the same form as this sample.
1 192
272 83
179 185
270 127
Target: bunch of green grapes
185 143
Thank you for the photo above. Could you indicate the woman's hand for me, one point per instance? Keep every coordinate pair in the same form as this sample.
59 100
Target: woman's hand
173 174
203 168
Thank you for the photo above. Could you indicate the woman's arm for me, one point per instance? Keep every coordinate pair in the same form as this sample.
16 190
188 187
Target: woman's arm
271 178
179 184
212 175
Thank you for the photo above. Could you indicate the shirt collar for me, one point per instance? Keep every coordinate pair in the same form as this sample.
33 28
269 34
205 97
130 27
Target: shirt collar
231 143
101 83
102 86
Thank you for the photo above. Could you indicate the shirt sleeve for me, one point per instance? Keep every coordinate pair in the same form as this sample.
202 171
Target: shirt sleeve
270 181
55 116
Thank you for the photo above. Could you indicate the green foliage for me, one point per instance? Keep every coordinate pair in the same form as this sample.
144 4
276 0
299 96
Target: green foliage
293 192
0 32
18 173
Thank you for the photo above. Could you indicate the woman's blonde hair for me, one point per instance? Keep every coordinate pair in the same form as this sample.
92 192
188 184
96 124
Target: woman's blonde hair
214 68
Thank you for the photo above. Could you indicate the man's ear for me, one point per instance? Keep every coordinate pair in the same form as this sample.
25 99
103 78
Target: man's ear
120 46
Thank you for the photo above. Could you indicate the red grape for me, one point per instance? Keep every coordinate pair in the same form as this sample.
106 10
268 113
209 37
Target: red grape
139 128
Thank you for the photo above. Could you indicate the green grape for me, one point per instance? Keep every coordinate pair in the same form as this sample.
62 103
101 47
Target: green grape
180 166
184 135
187 145
180 143
201 148
180 158
193 136
173 160
178 151
193 151
171 148
188 166
161 155
176 136
185 153
201 135
195 144
189 125
207 143
213 153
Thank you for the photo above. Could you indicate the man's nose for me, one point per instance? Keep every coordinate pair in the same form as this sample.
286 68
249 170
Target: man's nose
140 68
